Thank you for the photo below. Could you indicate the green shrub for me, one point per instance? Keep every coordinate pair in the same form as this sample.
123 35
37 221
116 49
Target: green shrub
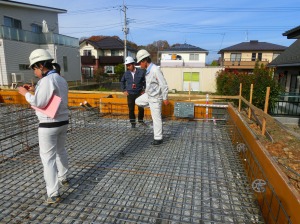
228 83
119 70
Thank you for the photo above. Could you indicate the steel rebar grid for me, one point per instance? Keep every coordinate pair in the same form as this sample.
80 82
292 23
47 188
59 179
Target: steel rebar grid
117 176
18 130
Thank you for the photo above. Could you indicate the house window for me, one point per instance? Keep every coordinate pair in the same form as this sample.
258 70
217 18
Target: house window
259 56
36 28
194 57
114 53
87 53
253 58
24 67
11 22
283 78
87 72
109 69
191 76
294 84
191 81
235 56
65 63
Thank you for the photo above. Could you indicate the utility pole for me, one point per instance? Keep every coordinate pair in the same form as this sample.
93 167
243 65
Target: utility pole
125 30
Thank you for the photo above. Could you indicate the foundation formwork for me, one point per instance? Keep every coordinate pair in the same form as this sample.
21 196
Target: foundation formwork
117 176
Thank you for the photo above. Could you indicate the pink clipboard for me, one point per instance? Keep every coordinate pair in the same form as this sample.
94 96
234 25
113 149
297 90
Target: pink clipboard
52 107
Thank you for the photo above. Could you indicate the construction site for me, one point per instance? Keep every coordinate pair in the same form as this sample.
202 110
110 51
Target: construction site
211 167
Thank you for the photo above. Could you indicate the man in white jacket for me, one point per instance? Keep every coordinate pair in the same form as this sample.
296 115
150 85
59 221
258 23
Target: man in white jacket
156 92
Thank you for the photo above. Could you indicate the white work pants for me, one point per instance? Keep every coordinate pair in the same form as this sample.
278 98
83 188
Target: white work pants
155 108
54 157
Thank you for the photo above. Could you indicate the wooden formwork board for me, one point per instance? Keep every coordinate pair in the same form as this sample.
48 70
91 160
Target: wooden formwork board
287 194
107 102
75 98
119 106
11 97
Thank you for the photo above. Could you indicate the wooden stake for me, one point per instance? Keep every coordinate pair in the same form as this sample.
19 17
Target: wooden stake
250 101
263 130
190 90
240 97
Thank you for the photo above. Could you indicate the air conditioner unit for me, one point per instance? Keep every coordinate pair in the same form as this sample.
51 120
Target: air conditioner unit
17 77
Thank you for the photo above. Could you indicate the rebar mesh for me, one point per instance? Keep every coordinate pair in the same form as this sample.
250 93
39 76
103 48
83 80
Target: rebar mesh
117 176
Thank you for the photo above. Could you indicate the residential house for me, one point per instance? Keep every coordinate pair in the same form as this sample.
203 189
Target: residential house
26 27
195 79
183 55
287 72
183 66
104 53
287 65
243 56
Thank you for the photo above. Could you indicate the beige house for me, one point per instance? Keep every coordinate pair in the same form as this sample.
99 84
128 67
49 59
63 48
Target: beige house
243 56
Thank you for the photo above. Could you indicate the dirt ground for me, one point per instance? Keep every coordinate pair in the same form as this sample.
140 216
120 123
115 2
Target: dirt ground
285 147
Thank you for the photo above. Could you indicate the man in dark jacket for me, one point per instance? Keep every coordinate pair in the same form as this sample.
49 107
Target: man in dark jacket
133 85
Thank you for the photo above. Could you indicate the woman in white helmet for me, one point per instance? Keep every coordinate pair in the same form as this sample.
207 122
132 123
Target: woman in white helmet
52 131
156 92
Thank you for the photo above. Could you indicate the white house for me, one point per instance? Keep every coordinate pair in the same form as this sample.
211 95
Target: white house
202 79
183 55
25 27
183 66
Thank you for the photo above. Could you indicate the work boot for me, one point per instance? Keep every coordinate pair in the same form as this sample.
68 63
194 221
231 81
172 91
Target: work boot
157 142
64 183
53 199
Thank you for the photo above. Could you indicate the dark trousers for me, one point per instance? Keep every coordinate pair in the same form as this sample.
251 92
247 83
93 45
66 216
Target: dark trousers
131 104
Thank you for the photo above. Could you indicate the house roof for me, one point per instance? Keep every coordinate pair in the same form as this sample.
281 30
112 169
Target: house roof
31 6
109 43
254 45
292 33
184 48
290 57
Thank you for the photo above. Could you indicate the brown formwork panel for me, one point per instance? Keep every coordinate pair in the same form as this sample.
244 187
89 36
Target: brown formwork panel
93 98
287 194
107 102
119 106
11 97
75 98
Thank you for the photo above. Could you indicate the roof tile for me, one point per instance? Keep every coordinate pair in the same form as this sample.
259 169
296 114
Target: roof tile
254 45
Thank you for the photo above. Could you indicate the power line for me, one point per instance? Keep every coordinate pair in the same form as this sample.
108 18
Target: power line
208 27
81 27
94 10
85 31
218 9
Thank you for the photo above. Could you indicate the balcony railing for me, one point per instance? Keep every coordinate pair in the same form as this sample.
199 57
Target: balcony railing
37 38
243 63
288 104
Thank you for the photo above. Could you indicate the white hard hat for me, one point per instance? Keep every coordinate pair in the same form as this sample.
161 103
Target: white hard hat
39 55
141 54
129 60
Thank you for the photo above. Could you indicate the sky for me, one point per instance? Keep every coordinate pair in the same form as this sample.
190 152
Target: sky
211 25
